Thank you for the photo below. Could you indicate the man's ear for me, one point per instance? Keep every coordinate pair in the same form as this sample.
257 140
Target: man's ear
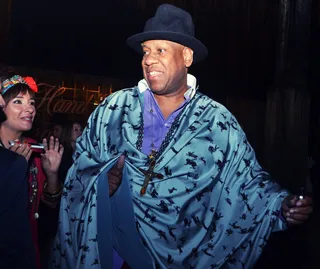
187 56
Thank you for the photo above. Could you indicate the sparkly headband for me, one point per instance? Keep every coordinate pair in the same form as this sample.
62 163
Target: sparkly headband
16 79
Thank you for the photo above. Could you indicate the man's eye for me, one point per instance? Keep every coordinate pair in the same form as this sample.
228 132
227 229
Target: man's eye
17 102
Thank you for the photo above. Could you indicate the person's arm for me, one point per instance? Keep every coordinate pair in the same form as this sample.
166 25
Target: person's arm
257 195
50 160
257 185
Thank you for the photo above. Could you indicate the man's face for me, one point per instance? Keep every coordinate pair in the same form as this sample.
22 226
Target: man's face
164 66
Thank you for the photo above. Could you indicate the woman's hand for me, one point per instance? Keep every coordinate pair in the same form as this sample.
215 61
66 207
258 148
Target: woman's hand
51 158
22 149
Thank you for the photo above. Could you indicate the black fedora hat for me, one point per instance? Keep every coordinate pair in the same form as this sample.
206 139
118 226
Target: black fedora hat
173 24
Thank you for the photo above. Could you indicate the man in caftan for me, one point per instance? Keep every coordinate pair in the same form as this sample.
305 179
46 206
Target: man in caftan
186 190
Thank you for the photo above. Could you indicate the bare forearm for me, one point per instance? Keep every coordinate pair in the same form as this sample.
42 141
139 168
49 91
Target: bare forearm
53 183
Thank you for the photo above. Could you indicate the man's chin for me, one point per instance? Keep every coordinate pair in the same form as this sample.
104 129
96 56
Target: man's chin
155 88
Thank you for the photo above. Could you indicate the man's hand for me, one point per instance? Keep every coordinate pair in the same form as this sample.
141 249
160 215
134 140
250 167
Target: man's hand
115 175
295 210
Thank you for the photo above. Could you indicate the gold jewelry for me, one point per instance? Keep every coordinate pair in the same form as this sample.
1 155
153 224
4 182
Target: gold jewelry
51 196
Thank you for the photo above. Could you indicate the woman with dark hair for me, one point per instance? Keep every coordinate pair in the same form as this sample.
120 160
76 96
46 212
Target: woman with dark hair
68 138
42 175
16 246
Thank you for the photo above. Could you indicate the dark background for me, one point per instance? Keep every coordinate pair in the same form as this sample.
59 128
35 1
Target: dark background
90 37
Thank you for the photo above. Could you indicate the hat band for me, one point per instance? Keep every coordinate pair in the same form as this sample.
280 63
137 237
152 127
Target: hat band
16 79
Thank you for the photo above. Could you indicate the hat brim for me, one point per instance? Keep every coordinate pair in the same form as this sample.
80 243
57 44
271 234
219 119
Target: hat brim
200 51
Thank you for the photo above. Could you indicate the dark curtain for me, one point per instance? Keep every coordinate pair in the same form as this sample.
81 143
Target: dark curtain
287 130
5 19
286 140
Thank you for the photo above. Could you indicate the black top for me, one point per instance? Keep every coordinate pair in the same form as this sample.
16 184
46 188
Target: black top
16 246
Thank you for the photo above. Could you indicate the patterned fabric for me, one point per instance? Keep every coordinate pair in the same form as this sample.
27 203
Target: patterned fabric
16 79
215 207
